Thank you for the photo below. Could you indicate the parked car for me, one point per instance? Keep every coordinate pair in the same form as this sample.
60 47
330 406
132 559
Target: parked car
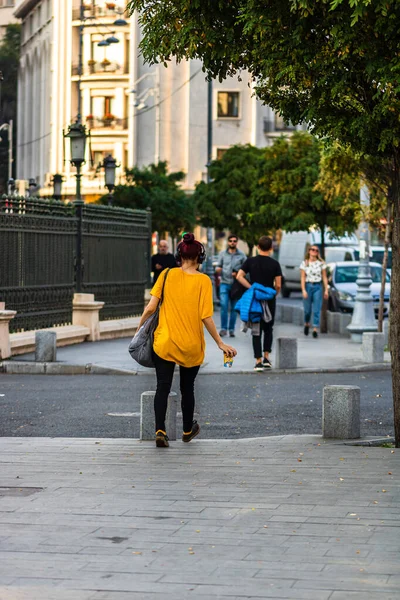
293 248
343 287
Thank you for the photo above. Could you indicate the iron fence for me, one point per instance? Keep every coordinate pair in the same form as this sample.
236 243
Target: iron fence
38 259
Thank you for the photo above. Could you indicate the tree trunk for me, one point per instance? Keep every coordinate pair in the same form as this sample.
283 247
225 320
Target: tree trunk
394 341
324 310
251 246
384 264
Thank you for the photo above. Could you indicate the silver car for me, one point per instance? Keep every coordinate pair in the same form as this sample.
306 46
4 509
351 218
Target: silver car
343 287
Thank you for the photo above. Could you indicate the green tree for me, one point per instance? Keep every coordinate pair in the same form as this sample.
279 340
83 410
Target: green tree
289 193
172 210
9 62
228 201
333 64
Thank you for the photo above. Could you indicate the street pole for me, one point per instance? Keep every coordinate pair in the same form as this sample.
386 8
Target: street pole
158 114
209 267
10 148
363 318
79 218
80 61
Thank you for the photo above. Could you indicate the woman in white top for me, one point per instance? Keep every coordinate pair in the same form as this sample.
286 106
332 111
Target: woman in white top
313 277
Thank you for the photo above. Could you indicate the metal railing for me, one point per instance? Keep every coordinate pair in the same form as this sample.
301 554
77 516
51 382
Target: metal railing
101 68
98 12
38 259
114 123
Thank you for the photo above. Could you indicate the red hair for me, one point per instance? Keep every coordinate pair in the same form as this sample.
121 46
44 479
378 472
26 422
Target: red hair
189 248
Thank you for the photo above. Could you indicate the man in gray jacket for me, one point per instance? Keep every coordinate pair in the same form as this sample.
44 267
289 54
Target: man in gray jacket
229 263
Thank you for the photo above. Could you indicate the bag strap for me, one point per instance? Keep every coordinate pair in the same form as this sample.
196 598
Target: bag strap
163 285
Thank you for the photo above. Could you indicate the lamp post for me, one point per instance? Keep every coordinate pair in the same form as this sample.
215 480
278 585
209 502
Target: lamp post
77 135
363 318
110 165
209 267
57 186
32 187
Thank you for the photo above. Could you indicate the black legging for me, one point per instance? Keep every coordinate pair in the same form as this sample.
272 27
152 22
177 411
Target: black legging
165 373
267 329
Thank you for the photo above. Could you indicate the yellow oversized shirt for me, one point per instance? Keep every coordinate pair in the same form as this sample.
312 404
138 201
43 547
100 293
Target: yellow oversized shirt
179 336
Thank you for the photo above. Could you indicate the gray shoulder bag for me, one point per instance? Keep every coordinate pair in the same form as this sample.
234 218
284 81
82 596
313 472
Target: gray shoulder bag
141 346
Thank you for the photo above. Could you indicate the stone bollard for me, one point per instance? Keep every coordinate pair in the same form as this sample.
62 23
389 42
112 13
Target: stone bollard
341 412
344 320
287 313
385 328
45 346
373 346
286 353
85 312
278 313
147 419
5 318
298 315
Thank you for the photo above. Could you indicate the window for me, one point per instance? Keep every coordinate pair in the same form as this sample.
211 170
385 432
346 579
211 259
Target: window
228 105
280 124
5 3
221 152
102 106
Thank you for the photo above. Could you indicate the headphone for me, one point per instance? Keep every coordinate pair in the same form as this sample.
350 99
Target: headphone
201 257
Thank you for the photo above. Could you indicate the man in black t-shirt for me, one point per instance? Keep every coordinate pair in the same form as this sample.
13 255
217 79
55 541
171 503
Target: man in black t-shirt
267 271
162 260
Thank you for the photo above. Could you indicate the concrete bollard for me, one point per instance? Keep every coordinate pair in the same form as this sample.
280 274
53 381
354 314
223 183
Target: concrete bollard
147 419
344 320
287 313
373 346
298 315
385 328
45 346
329 319
286 353
341 412
278 313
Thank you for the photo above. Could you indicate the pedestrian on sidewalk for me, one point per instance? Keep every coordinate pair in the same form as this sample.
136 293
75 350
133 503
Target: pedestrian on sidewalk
186 309
265 270
313 278
162 260
229 263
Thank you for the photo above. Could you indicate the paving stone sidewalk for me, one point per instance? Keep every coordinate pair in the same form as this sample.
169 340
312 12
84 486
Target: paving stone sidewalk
289 517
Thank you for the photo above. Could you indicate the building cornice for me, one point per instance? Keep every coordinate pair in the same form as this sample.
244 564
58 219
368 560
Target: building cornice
24 7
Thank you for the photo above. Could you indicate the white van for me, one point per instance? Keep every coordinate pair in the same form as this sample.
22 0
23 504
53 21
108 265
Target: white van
292 251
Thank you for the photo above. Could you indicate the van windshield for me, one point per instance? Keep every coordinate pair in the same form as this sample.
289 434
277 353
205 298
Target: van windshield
377 256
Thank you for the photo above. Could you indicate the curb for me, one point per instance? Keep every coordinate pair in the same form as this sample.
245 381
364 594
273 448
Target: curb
34 368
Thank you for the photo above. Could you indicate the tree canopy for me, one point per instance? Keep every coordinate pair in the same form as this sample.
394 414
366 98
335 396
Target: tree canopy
153 187
291 193
229 201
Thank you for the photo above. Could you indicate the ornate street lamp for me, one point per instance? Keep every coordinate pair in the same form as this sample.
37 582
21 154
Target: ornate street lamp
57 182
32 187
110 165
77 136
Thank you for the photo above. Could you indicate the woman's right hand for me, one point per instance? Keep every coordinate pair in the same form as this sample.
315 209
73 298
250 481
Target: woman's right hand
305 295
228 350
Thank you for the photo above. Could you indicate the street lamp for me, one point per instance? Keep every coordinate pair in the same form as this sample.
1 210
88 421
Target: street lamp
363 318
77 136
32 187
57 186
110 165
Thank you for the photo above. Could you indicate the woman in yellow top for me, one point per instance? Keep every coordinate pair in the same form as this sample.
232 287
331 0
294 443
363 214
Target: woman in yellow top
179 337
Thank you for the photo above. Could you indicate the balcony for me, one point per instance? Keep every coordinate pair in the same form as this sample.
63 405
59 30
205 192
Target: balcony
110 10
101 68
277 127
107 122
